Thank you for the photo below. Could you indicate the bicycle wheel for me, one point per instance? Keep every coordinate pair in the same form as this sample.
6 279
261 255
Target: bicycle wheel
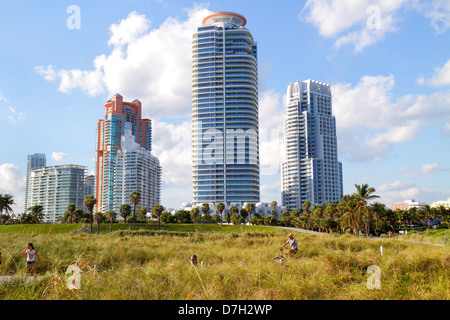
280 260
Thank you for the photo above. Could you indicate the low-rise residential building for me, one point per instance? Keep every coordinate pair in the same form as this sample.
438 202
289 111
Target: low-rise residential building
55 187
408 204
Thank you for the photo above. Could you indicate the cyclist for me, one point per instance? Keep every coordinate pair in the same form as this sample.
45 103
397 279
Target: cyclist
293 248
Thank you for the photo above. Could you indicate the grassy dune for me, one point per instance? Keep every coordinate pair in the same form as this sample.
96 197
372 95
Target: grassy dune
238 265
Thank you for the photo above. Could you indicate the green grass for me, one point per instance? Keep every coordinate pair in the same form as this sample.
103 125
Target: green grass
441 236
147 264
105 228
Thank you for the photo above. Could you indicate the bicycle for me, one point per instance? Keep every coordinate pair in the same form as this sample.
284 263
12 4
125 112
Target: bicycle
283 257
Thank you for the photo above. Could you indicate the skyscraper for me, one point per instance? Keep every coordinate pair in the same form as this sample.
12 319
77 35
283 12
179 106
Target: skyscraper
225 111
109 133
55 187
35 161
136 169
311 171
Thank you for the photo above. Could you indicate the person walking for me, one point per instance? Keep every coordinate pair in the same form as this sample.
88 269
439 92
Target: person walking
31 254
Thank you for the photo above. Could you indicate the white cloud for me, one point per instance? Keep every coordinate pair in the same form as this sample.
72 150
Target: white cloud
438 11
369 119
15 116
363 23
440 78
59 156
153 65
399 191
271 146
271 192
428 168
12 181
174 152
396 186
366 21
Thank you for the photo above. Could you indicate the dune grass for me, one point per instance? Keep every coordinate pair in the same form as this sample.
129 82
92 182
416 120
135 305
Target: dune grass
237 265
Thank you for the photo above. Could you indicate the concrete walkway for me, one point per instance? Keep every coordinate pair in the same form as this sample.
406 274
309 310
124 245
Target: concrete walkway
377 238
303 230
10 278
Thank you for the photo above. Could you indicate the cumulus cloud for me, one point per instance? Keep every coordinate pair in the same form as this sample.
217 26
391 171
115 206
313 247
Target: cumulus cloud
271 146
151 64
438 11
12 181
398 191
363 23
369 119
271 192
174 152
59 156
440 78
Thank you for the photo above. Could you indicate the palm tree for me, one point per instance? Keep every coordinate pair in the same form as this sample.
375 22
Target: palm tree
37 213
250 208
111 215
89 203
306 206
348 213
194 213
205 209
135 198
71 209
98 217
220 208
125 211
244 213
77 215
234 209
157 211
6 201
363 194
143 212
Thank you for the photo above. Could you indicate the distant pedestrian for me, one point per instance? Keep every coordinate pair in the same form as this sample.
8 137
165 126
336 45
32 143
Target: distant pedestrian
390 234
31 254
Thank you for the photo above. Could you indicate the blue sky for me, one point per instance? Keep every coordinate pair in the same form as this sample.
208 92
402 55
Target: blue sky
387 62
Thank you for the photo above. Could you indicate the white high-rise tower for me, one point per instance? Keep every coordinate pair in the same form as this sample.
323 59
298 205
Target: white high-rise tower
311 171
225 111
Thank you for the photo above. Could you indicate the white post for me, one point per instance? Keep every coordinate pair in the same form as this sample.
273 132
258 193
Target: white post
381 250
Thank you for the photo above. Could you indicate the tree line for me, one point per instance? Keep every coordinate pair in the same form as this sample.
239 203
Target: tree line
352 214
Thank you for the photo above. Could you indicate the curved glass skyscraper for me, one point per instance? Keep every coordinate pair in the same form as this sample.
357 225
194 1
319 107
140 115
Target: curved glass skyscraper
225 111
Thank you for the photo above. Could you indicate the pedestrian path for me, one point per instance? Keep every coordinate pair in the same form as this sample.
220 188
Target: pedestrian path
303 230
5 279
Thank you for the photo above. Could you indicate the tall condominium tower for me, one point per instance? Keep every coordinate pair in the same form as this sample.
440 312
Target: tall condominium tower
311 171
136 169
55 187
225 111
109 133
35 161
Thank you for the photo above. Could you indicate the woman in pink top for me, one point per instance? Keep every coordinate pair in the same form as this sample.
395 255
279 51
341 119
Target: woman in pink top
31 254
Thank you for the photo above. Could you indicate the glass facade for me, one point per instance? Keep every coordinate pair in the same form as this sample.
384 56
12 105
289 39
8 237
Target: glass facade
225 112
311 171
109 133
55 187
